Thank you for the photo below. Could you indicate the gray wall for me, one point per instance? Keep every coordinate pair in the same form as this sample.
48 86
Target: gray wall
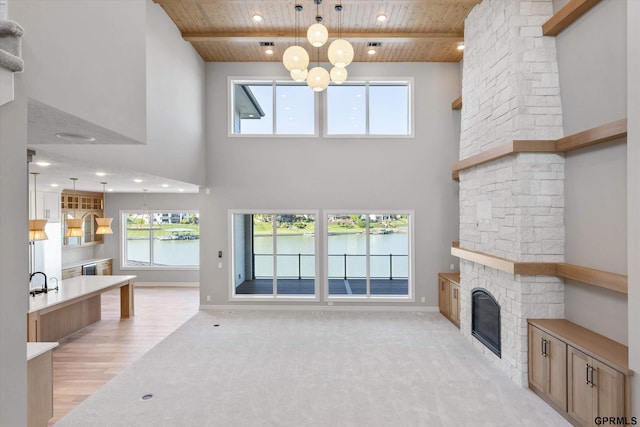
112 248
633 173
593 77
331 173
13 260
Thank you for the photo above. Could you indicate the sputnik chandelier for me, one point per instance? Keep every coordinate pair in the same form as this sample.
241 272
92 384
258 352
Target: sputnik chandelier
340 53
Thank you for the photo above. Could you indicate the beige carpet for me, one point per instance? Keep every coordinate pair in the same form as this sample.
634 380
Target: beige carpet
303 368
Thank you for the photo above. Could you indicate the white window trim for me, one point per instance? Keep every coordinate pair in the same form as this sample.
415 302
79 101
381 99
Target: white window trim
232 81
233 297
411 84
123 244
371 298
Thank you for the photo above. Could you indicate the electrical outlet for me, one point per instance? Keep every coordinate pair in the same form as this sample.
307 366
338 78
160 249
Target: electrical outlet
219 265
208 297
423 300
452 267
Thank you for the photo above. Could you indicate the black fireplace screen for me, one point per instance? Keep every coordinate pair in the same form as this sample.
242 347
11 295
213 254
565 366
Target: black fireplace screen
485 319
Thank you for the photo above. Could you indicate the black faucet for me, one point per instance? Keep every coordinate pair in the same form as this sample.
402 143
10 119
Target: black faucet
38 291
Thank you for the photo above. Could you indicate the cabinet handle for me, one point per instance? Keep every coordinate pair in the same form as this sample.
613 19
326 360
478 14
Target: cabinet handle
591 380
588 376
455 294
442 286
546 348
543 347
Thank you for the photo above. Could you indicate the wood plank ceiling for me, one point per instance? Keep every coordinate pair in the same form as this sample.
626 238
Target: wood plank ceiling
415 31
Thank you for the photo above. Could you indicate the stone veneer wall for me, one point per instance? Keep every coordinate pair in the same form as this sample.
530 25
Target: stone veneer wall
512 207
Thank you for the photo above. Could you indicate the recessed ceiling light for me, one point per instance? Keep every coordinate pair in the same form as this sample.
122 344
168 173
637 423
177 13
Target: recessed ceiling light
257 17
460 46
165 185
43 164
75 137
181 189
54 185
100 174
371 51
381 18
138 180
269 51
110 190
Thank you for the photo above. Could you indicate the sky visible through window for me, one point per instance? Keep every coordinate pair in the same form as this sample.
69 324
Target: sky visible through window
352 109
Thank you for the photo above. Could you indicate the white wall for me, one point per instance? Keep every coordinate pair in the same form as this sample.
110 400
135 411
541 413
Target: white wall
146 82
633 173
112 247
593 78
330 173
87 59
13 261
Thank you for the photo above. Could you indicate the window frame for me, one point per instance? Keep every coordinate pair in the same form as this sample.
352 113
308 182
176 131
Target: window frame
410 297
368 82
275 81
123 242
232 296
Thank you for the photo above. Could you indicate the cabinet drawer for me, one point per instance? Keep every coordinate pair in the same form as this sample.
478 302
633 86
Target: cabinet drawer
70 272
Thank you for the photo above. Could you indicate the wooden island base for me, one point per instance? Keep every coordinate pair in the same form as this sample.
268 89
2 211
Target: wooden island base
75 305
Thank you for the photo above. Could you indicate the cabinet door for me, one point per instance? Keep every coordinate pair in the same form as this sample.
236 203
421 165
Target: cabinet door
537 371
454 308
443 296
608 385
51 205
556 359
580 393
104 268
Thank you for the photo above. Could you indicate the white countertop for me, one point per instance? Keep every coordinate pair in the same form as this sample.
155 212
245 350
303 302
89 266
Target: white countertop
35 349
75 288
84 262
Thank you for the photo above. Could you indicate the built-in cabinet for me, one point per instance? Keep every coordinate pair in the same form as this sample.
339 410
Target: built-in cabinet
85 205
580 373
104 267
47 205
548 366
449 296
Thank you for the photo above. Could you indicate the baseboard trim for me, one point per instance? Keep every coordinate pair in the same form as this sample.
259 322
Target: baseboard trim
316 307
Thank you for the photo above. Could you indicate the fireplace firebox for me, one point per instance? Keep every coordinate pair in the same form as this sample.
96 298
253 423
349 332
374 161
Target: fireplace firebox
485 320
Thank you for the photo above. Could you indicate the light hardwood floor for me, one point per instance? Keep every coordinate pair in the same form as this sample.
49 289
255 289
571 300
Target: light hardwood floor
90 358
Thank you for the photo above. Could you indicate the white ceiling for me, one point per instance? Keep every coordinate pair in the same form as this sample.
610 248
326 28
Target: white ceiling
45 122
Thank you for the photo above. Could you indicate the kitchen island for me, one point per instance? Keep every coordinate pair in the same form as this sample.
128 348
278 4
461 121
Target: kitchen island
74 305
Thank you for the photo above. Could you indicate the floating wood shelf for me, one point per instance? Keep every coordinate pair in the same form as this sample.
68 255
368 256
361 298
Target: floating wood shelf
457 103
587 138
604 279
567 16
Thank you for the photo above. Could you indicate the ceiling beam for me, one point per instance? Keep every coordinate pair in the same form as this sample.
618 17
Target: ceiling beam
239 36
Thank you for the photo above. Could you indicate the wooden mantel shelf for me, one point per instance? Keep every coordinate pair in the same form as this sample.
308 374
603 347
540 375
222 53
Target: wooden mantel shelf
457 103
604 133
604 279
567 16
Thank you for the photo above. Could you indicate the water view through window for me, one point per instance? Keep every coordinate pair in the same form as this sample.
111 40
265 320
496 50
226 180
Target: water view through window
161 239
367 254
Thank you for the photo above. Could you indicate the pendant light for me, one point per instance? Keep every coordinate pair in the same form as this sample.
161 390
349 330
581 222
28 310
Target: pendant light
104 224
317 34
340 51
36 226
296 58
74 226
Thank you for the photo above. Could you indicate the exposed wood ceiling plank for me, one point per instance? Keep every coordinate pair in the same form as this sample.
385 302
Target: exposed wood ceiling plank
239 36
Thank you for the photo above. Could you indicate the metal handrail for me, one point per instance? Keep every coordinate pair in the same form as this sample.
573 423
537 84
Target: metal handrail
345 256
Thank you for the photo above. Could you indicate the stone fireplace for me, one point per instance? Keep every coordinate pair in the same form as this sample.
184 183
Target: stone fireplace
513 207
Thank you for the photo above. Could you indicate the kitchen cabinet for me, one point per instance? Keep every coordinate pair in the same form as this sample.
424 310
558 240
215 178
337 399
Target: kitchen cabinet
47 203
449 296
68 273
85 205
104 267
547 366
587 371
